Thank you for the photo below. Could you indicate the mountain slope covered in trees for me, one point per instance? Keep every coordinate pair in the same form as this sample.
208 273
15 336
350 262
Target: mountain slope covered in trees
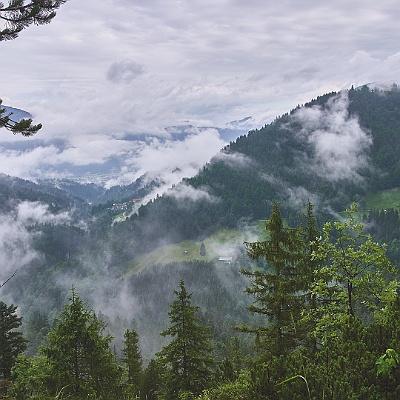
338 149
332 151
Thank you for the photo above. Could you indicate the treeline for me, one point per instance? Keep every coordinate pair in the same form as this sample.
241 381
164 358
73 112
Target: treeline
328 323
140 301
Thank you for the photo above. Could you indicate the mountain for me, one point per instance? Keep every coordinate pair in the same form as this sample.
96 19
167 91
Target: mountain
15 191
96 193
120 169
332 151
337 149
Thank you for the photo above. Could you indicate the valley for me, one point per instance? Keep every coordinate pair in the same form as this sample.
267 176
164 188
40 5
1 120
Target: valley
125 260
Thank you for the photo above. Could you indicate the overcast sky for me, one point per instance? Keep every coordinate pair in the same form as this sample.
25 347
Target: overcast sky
106 68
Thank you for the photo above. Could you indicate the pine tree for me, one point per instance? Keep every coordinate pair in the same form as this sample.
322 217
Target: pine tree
82 363
12 343
203 251
187 359
307 267
152 381
24 126
133 361
19 14
276 288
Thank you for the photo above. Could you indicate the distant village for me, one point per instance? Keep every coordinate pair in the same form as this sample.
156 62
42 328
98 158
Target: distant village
121 207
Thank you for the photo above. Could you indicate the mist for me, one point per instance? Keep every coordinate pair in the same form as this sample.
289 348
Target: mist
339 144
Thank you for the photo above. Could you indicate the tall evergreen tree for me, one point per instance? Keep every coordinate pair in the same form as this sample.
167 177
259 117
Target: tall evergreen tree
306 269
152 381
133 361
12 343
283 288
187 359
275 289
81 360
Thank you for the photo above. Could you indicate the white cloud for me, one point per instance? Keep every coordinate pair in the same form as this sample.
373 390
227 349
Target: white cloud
300 196
16 240
235 160
15 247
34 212
199 62
338 141
184 192
168 161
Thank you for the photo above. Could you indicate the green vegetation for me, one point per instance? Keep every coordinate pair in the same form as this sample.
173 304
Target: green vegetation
169 253
12 343
133 361
383 199
187 359
220 243
327 328
80 363
314 314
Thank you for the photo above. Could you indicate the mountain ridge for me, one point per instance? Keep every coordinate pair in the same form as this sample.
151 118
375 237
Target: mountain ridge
331 151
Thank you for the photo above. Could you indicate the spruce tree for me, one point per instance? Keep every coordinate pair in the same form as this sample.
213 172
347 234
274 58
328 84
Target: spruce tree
82 363
275 289
187 359
283 287
152 381
203 251
133 361
307 267
12 343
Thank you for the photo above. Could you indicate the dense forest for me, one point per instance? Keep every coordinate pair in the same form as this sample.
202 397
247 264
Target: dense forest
327 307
306 308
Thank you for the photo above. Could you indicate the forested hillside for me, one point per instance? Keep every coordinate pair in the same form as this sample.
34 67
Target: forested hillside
327 304
14 190
304 309
332 151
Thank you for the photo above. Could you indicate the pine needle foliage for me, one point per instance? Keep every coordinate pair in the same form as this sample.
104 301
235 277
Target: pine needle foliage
188 357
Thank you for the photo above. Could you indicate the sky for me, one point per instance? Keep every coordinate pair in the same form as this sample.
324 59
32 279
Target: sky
105 73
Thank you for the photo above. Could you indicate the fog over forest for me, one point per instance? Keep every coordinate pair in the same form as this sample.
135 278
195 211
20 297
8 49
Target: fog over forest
199 200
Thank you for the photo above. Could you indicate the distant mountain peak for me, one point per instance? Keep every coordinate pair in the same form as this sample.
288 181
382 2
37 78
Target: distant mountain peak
384 86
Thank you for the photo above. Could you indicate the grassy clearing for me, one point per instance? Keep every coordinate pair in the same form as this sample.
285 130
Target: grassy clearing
223 243
184 251
383 200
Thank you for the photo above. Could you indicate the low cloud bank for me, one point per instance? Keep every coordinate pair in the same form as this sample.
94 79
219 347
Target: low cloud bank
339 144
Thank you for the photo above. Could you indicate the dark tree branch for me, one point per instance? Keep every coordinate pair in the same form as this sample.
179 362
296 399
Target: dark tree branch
24 126
12 276
18 15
